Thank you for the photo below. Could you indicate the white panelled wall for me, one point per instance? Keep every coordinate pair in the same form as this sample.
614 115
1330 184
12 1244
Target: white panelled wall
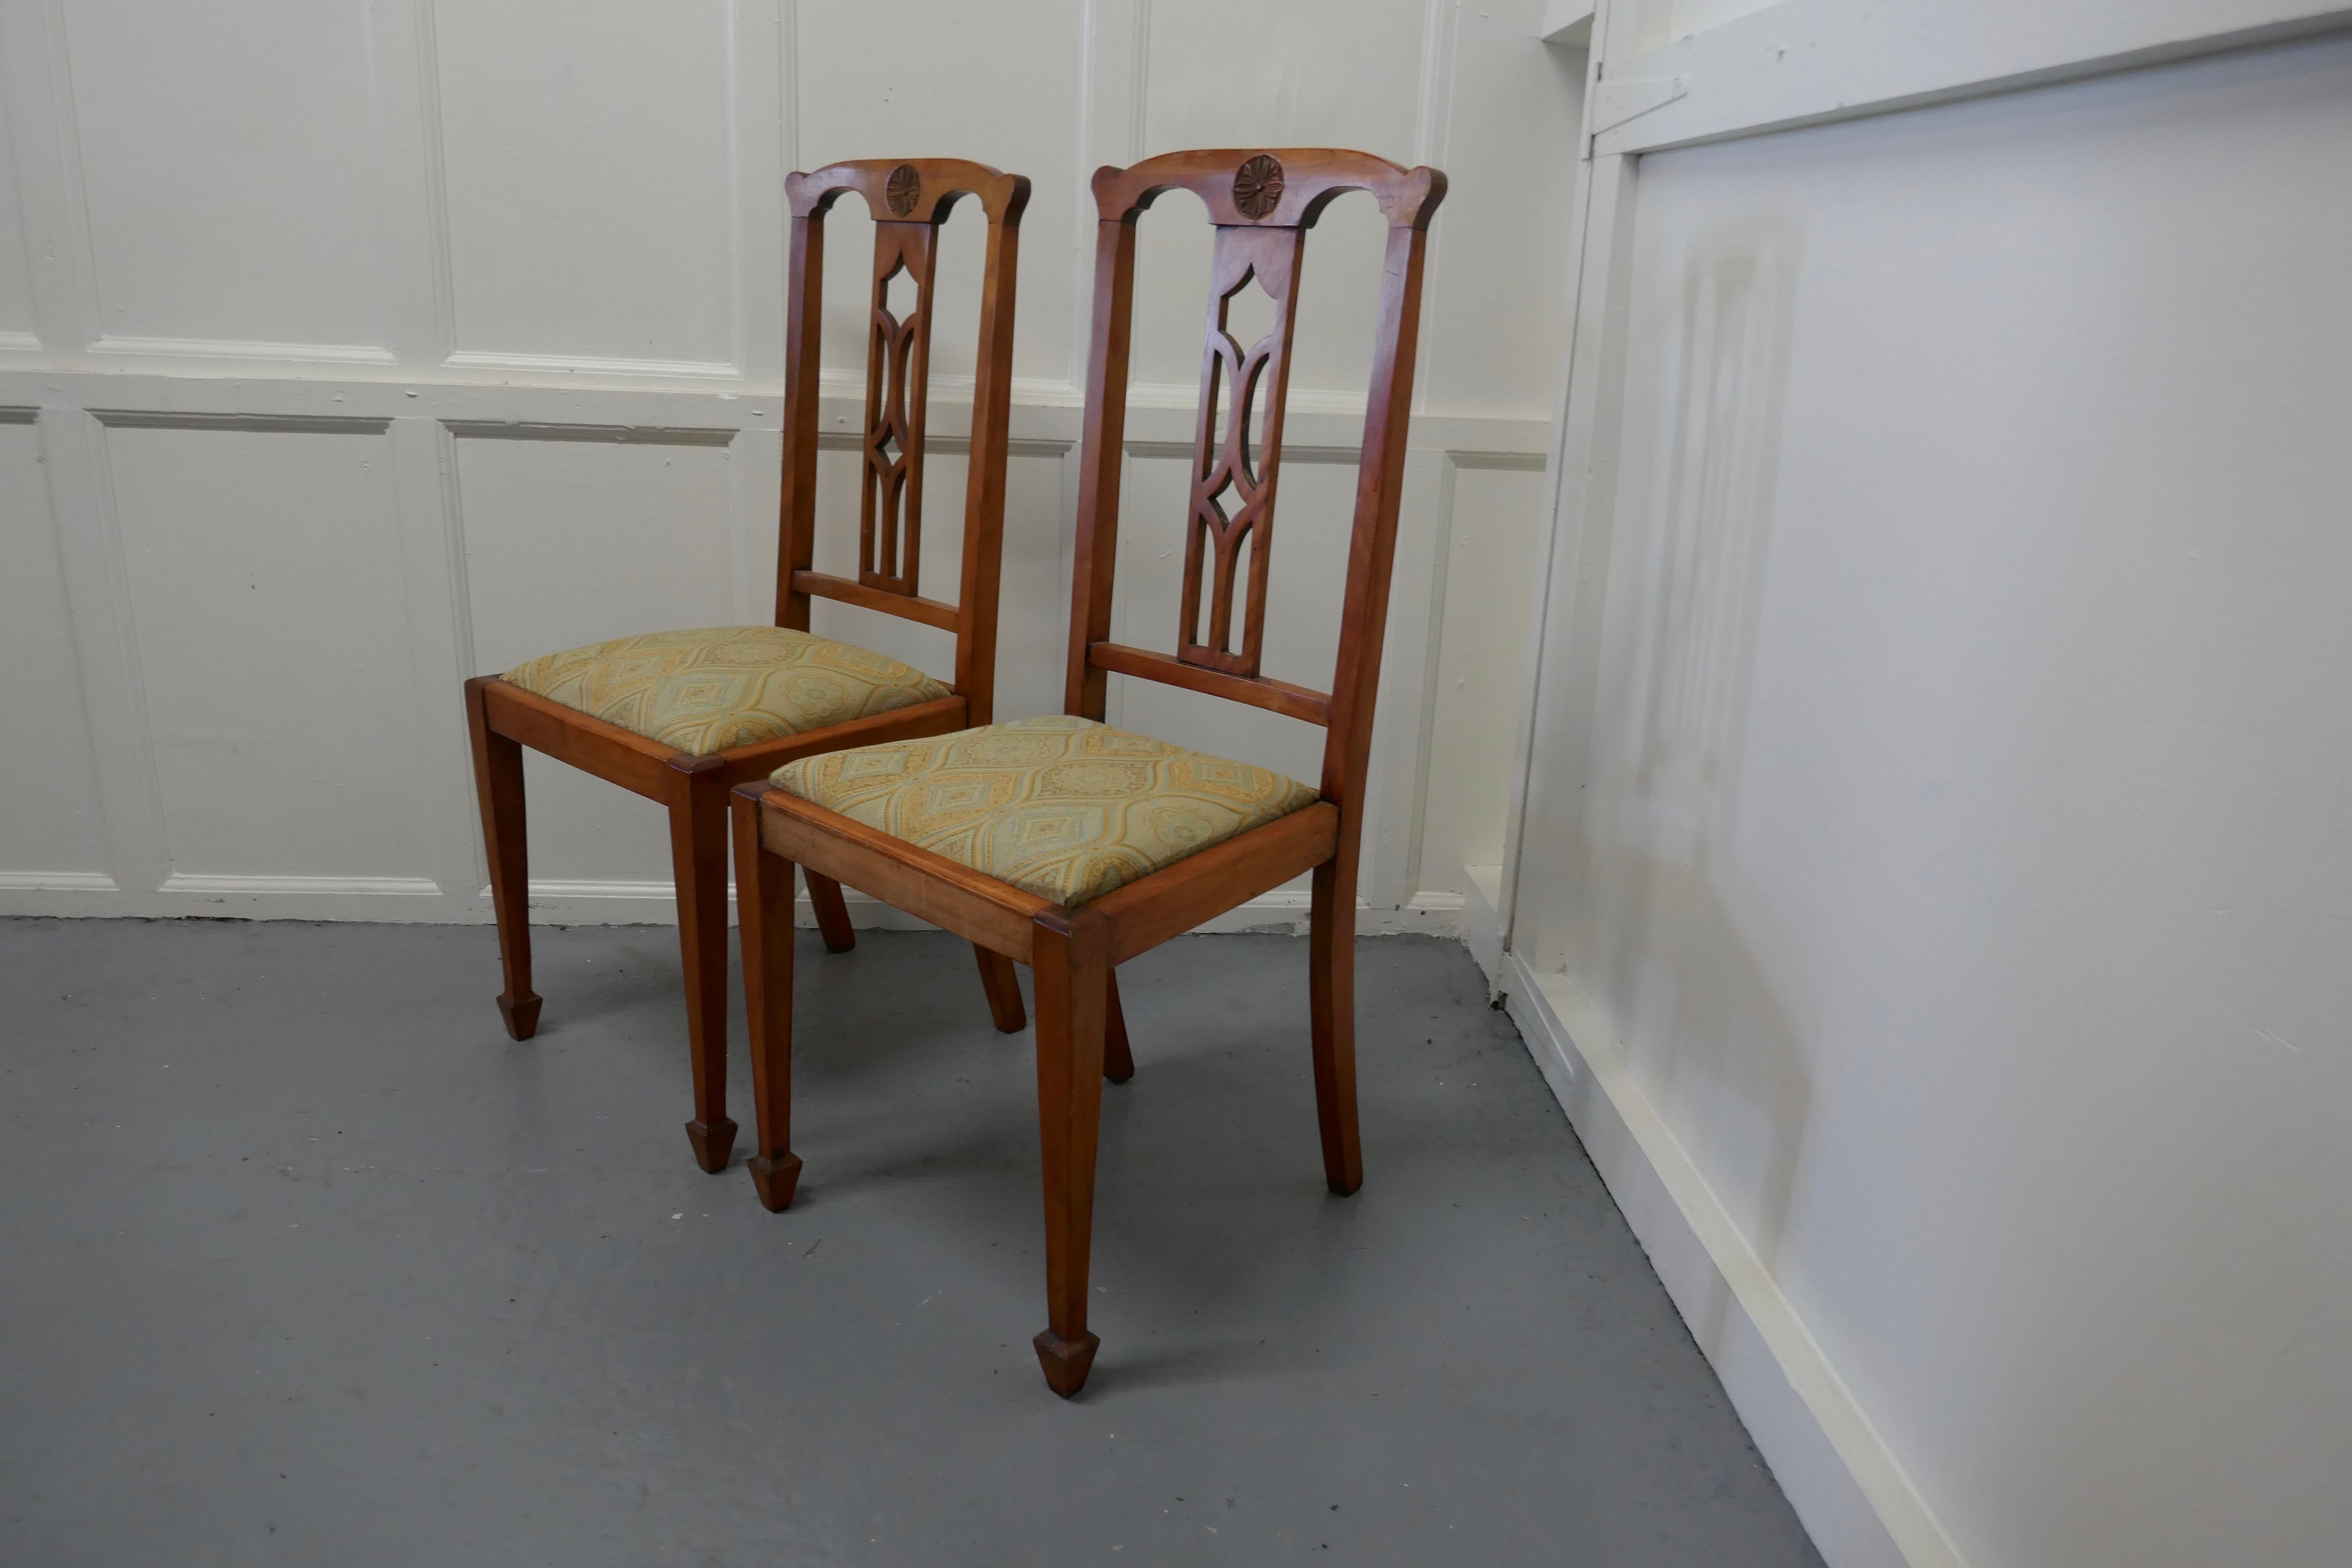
352 347
1932 894
1911 829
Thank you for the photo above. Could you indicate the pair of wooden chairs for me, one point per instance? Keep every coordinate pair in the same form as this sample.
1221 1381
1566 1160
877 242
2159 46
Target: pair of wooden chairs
1063 843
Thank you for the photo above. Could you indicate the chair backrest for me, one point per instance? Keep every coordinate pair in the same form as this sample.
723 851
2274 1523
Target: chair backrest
909 199
1262 203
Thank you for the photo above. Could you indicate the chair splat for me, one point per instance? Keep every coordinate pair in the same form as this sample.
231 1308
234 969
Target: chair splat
1233 378
908 201
897 381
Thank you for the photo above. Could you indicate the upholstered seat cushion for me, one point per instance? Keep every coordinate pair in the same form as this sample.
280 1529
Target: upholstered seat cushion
722 687
1064 808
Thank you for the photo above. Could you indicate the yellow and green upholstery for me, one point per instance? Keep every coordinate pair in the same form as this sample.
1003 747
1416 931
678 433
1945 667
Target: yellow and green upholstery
713 689
1064 808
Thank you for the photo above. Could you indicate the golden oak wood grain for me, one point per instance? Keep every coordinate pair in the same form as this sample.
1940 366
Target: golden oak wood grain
930 886
1257 690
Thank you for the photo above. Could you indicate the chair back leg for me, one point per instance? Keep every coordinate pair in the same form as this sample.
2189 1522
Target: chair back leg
1119 1061
1331 1012
1000 979
831 913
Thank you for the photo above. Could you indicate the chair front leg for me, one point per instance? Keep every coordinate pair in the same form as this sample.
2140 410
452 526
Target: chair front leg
764 901
498 780
697 843
1331 1011
1073 975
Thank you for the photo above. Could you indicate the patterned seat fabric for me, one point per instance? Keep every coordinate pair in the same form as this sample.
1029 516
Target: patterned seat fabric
1064 808
722 687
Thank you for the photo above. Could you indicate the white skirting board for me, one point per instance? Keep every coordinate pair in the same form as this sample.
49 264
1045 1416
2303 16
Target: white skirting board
93 894
1853 1497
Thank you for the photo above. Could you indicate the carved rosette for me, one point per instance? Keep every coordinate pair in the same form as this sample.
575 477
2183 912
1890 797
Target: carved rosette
906 187
1257 186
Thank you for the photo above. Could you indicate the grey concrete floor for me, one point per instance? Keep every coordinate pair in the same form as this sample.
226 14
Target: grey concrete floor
301 1261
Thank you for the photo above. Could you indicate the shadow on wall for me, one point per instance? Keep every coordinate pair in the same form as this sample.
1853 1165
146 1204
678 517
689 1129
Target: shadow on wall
1672 958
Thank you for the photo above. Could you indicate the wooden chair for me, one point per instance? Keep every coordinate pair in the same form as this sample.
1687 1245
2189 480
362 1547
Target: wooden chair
1076 918
679 717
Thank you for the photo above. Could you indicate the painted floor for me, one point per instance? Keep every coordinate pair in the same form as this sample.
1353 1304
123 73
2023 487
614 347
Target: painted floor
302 1261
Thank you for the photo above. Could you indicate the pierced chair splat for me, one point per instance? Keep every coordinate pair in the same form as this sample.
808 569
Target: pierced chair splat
1071 845
681 716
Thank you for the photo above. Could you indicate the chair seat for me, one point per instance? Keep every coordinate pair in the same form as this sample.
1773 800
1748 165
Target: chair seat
715 688
1064 808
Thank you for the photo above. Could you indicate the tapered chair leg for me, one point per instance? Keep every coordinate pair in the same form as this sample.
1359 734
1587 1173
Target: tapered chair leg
764 901
1119 1062
1331 1011
998 977
1073 975
697 840
498 780
831 913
